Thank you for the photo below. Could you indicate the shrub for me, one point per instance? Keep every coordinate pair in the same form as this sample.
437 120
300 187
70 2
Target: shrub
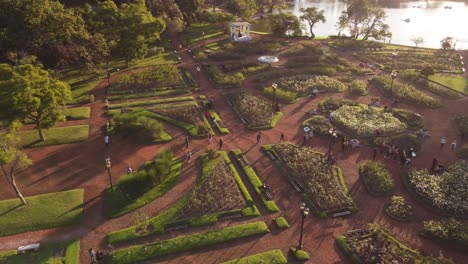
282 96
303 84
358 87
333 104
449 230
154 51
399 209
411 119
461 124
376 178
404 92
300 254
217 17
162 75
403 142
133 122
281 223
91 98
462 153
319 125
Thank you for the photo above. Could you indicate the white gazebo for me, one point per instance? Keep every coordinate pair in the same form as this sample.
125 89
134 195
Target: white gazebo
240 31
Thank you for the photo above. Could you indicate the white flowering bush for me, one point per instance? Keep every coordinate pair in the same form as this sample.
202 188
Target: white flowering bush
321 179
303 84
363 121
448 230
399 209
256 110
448 192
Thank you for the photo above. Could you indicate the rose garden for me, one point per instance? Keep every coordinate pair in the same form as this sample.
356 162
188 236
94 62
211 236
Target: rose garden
201 154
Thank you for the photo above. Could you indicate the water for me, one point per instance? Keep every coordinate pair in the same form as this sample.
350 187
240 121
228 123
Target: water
430 20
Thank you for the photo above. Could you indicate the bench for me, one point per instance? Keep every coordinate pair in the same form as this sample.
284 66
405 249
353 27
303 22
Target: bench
341 214
271 155
28 248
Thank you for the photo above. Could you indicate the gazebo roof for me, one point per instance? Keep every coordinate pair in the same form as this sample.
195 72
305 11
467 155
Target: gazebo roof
240 24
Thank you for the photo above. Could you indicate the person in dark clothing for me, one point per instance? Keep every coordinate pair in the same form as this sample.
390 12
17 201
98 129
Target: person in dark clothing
282 137
259 137
221 142
435 162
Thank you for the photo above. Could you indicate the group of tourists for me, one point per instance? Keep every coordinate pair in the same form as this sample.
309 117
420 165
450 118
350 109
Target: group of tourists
96 257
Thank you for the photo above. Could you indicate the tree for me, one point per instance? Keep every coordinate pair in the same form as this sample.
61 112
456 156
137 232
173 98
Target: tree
417 41
45 28
190 9
427 71
170 12
447 43
312 16
362 18
285 24
28 92
12 158
243 8
271 5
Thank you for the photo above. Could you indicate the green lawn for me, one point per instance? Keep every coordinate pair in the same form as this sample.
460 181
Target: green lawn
456 82
116 205
271 257
47 254
152 102
193 34
42 212
187 243
261 27
55 136
281 223
77 113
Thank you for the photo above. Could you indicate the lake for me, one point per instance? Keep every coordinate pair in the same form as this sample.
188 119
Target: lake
430 20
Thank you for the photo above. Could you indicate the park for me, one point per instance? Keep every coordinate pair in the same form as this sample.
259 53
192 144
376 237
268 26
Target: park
237 136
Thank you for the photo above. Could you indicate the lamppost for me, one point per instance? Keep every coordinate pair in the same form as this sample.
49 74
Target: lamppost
394 54
304 213
198 76
393 75
274 86
332 142
108 165
203 38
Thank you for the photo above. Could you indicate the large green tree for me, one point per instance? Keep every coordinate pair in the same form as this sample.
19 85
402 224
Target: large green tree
170 12
312 15
270 5
11 156
45 28
363 19
190 9
243 8
128 29
285 24
28 92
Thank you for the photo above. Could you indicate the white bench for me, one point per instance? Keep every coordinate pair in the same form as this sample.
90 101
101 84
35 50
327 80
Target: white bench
28 248
341 214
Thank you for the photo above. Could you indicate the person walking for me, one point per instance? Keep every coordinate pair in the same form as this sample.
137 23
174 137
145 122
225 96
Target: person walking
210 137
188 156
92 255
259 137
443 140
304 140
454 144
221 142
129 170
187 142
435 162
106 140
282 137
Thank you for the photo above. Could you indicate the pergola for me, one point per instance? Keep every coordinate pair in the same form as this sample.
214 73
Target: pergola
240 31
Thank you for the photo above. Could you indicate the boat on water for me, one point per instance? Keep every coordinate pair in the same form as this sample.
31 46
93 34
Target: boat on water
448 7
407 20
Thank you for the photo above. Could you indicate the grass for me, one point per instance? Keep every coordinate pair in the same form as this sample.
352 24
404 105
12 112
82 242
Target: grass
151 102
261 27
42 212
223 130
48 254
455 82
300 254
117 205
193 34
255 181
272 257
281 223
149 94
77 113
172 215
187 243
55 136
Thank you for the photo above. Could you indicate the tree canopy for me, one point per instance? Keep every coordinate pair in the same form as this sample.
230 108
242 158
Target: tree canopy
243 8
312 15
363 19
28 92
285 24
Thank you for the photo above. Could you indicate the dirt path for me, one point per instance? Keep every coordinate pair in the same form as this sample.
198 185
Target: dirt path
65 167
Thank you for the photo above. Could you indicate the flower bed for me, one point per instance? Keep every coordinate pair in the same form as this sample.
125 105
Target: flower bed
302 84
404 92
333 104
412 120
376 178
403 142
322 182
449 230
446 192
255 111
365 121
319 125
358 87
399 209
376 245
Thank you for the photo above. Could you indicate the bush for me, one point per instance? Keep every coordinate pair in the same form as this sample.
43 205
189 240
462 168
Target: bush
282 96
281 223
91 98
404 92
462 153
217 17
449 230
461 124
303 84
376 178
403 142
135 122
319 125
333 104
300 254
154 51
358 87
412 120
162 75
399 209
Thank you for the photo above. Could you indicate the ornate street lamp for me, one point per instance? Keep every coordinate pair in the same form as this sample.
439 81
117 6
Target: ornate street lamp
332 142
198 76
203 38
304 213
394 74
274 86
108 165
